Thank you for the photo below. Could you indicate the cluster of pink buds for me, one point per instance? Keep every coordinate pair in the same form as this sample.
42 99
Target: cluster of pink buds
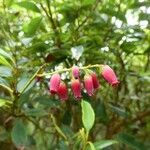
91 83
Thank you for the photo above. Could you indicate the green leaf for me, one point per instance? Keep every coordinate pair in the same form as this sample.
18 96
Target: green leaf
62 145
5 71
3 82
4 102
32 27
29 6
39 46
5 87
9 2
130 141
3 61
104 143
92 147
119 111
23 81
5 54
88 2
88 115
36 112
66 118
137 4
45 101
19 134
112 12
69 12
100 111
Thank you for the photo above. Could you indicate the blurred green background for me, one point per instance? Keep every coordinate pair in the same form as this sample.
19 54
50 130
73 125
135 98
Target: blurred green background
59 34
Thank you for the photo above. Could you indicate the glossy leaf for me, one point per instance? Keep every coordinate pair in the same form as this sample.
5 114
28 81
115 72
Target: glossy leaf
36 112
88 115
100 110
4 62
32 27
45 101
104 143
91 146
4 102
5 54
119 111
23 81
5 86
5 71
19 134
131 141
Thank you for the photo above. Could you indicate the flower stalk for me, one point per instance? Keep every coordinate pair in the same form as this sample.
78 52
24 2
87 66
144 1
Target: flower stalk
69 69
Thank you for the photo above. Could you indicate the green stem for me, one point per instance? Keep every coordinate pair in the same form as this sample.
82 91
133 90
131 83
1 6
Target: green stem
53 24
31 79
85 140
60 132
7 88
69 69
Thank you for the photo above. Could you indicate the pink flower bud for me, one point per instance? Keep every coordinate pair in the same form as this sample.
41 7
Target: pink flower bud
76 88
75 72
54 83
62 91
95 81
109 75
88 83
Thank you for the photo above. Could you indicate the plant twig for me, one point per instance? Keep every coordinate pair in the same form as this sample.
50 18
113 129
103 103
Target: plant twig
31 79
58 129
52 22
69 69
87 17
7 88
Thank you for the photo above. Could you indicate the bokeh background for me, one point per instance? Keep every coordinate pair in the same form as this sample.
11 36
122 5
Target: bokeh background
57 34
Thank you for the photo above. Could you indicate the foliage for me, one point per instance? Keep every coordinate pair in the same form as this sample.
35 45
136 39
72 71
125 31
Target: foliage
43 36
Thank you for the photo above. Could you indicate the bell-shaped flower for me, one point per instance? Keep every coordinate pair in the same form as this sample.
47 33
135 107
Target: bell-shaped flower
88 84
54 83
109 75
76 88
95 80
62 91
